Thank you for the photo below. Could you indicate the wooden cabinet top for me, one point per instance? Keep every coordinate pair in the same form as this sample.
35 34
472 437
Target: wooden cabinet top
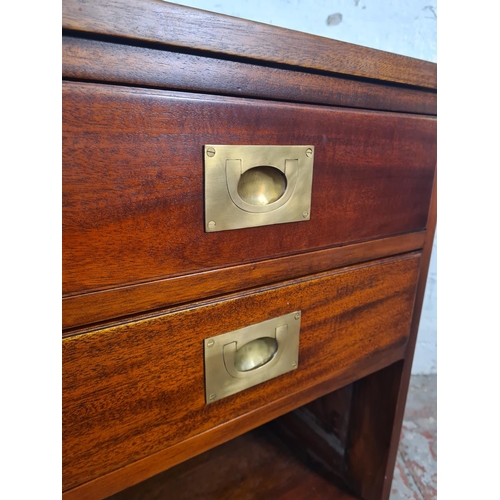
200 32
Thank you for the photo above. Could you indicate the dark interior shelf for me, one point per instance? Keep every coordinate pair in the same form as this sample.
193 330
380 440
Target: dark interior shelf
257 465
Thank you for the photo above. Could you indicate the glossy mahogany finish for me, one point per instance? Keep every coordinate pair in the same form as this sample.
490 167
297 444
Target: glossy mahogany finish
147 84
171 25
154 67
91 308
133 180
269 471
153 383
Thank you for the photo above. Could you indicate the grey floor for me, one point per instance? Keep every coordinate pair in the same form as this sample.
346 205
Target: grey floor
415 476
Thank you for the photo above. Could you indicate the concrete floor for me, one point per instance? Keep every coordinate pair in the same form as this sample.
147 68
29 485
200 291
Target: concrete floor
415 476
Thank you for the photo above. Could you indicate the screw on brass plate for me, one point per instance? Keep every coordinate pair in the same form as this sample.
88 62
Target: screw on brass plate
297 316
210 152
294 364
211 343
211 224
309 152
212 396
305 214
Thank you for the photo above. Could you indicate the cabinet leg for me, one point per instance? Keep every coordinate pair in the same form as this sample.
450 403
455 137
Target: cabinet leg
371 424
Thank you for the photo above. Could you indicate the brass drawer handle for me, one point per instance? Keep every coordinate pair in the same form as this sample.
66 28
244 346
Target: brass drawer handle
258 354
255 354
240 359
261 189
250 186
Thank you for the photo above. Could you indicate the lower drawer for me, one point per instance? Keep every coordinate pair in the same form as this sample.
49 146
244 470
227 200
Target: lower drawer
134 390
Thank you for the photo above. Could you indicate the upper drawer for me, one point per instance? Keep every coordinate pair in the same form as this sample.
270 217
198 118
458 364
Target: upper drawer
133 193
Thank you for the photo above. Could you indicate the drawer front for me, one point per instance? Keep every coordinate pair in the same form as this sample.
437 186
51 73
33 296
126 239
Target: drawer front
136 389
133 180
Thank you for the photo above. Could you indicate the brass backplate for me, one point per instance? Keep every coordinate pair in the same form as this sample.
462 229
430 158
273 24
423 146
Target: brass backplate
222 377
249 186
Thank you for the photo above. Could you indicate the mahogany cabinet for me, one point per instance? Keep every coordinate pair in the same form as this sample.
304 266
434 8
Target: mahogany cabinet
248 216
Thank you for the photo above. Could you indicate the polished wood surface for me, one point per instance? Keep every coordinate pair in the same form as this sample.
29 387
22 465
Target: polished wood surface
370 429
135 390
119 479
92 308
380 398
115 481
133 207
151 67
176 26
410 350
146 85
255 466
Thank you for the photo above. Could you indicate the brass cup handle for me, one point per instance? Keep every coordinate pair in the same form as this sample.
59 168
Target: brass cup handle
254 356
243 358
235 174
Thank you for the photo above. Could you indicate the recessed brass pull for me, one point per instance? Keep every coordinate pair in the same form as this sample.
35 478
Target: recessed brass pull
254 354
262 185
240 359
258 357
249 186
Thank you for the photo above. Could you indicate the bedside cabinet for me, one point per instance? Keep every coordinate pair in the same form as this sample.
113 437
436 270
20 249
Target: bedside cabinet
248 216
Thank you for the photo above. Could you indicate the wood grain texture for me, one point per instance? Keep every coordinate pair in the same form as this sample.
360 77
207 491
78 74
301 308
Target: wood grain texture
134 244
177 26
254 466
88 309
95 60
140 470
133 208
378 409
138 389
410 350
370 428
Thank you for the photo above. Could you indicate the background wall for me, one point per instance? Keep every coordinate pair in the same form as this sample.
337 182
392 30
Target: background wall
406 27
